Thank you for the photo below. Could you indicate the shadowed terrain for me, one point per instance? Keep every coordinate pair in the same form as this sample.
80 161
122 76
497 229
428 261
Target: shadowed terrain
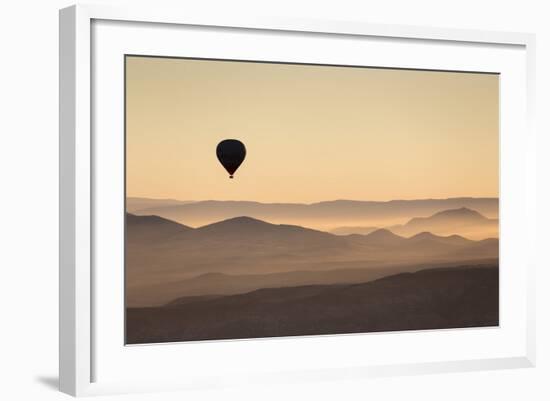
228 284
427 299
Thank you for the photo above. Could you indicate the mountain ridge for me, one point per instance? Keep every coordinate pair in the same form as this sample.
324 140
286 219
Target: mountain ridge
320 215
463 221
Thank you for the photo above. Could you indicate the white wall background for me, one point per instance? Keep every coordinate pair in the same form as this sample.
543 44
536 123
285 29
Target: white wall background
29 187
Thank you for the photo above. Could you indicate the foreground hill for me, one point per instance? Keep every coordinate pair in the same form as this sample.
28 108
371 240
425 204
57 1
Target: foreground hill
321 215
428 299
162 254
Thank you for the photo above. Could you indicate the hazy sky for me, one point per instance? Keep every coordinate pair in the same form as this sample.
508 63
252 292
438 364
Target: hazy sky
312 133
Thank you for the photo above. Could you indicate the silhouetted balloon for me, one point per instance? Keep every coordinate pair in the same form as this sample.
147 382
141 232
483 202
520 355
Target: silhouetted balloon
231 153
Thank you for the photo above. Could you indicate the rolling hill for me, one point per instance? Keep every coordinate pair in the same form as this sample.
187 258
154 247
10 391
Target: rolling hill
161 253
220 284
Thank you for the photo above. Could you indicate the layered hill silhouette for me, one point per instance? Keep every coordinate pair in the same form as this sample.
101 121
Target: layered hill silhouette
462 221
428 299
163 255
322 215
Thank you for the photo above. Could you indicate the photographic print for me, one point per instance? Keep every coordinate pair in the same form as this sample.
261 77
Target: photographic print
277 199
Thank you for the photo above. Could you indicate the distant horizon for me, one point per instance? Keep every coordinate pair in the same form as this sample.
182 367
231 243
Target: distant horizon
262 221
360 215
310 203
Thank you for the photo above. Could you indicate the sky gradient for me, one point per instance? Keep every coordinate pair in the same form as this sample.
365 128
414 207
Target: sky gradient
312 133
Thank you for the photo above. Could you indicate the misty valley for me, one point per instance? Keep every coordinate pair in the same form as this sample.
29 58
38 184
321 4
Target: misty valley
206 270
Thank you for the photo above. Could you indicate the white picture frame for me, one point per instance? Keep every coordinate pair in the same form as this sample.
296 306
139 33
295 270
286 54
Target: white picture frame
82 217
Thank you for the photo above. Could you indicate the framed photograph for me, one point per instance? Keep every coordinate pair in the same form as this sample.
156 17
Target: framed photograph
276 200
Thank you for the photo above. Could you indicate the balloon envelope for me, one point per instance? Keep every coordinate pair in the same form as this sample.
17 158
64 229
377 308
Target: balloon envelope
231 153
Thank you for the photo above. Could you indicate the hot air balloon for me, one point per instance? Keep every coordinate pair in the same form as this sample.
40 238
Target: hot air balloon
231 153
